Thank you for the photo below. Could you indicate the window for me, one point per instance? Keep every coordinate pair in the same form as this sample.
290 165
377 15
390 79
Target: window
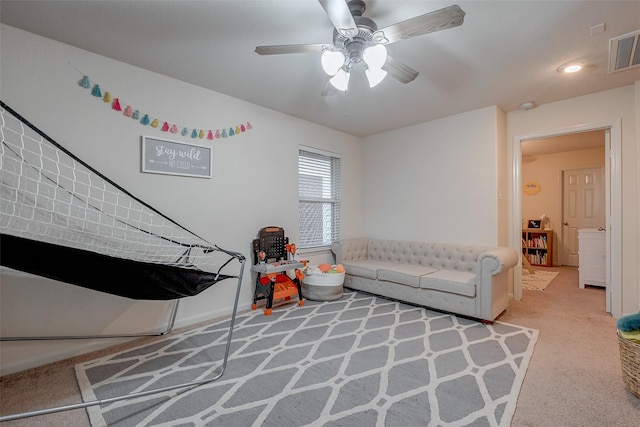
319 197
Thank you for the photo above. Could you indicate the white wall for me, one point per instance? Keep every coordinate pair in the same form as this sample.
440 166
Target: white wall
503 178
601 107
436 181
254 180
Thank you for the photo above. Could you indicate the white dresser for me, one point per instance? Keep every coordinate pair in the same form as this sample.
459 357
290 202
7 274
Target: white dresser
592 257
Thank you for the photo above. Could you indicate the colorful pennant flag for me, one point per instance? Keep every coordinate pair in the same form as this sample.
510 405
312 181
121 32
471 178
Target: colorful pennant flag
146 120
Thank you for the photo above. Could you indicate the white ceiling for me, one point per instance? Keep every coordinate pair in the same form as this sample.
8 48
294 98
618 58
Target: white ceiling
505 52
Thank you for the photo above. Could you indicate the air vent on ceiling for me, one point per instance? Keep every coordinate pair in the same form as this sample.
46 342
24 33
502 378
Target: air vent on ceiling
624 52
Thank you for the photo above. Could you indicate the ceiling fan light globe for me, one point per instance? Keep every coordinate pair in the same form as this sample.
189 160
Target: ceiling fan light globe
341 80
375 76
331 61
375 56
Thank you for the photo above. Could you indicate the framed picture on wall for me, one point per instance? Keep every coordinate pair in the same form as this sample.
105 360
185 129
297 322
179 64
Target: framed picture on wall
534 223
175 158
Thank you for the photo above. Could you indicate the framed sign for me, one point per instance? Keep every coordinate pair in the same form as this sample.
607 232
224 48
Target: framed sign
531 188
534 223
175 158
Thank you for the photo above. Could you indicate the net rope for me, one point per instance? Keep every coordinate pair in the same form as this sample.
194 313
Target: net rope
49 195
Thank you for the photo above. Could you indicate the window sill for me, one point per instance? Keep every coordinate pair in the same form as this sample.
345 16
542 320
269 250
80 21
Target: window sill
315 251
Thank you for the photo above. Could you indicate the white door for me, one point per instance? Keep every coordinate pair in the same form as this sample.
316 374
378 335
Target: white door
583 206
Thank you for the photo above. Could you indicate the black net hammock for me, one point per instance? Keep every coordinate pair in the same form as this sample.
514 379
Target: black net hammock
63 220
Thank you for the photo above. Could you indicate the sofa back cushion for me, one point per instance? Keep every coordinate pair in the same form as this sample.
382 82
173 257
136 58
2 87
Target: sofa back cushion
351 249
441 256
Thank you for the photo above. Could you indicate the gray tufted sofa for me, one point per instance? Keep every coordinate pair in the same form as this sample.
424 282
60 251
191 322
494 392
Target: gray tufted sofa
463 279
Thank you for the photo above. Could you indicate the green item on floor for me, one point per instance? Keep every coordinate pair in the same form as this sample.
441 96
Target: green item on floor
631 335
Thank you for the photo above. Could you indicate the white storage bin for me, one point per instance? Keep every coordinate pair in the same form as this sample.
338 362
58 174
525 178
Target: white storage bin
323 286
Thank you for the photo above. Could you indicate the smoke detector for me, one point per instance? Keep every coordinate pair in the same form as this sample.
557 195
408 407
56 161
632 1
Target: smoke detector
624 52
528 105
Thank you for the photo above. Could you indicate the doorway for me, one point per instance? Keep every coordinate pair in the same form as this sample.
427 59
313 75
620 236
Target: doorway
613 204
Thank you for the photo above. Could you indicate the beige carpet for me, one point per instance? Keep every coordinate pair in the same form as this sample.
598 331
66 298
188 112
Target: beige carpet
538 281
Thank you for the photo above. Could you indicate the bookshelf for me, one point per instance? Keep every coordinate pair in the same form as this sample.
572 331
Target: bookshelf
537 246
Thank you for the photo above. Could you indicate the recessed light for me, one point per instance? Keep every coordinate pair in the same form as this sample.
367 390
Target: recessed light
571 67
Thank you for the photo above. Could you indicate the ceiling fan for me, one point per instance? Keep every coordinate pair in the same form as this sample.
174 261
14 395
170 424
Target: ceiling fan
357 40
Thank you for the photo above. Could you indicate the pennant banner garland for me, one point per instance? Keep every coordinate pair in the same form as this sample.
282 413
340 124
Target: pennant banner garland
164 126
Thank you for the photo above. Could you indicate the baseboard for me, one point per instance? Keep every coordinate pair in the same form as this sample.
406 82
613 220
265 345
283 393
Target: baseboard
44 352
35 354
182 322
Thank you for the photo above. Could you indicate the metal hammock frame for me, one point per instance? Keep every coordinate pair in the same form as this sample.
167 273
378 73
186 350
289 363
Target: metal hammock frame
12 259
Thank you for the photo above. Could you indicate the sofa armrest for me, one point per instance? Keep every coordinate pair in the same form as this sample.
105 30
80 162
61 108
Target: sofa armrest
492 292
495 260
350 249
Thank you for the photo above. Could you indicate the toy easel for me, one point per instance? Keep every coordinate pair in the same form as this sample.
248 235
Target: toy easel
273 256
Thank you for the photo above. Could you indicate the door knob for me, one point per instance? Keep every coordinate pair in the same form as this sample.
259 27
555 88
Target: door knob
565 223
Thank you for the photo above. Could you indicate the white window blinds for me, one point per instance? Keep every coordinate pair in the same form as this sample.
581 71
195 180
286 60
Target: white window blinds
319 197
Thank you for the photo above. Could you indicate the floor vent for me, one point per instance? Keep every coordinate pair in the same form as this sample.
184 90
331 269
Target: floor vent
624 52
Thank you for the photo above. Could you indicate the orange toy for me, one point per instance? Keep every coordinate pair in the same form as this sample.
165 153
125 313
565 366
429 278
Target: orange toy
324 267
283 288
271 261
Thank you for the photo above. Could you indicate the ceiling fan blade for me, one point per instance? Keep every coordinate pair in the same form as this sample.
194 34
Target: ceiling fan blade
340 16
441 19
399 71
290 48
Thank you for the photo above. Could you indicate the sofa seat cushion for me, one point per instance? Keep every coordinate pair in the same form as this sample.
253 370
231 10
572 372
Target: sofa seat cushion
404 274
365 268
455 282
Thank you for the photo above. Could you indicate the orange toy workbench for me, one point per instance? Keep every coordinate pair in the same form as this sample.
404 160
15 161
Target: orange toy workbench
271 252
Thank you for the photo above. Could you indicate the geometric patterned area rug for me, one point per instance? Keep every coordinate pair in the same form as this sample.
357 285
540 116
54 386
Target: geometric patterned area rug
359 361
538 281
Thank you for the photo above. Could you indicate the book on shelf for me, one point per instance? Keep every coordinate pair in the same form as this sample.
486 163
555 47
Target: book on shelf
538 257
538 242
